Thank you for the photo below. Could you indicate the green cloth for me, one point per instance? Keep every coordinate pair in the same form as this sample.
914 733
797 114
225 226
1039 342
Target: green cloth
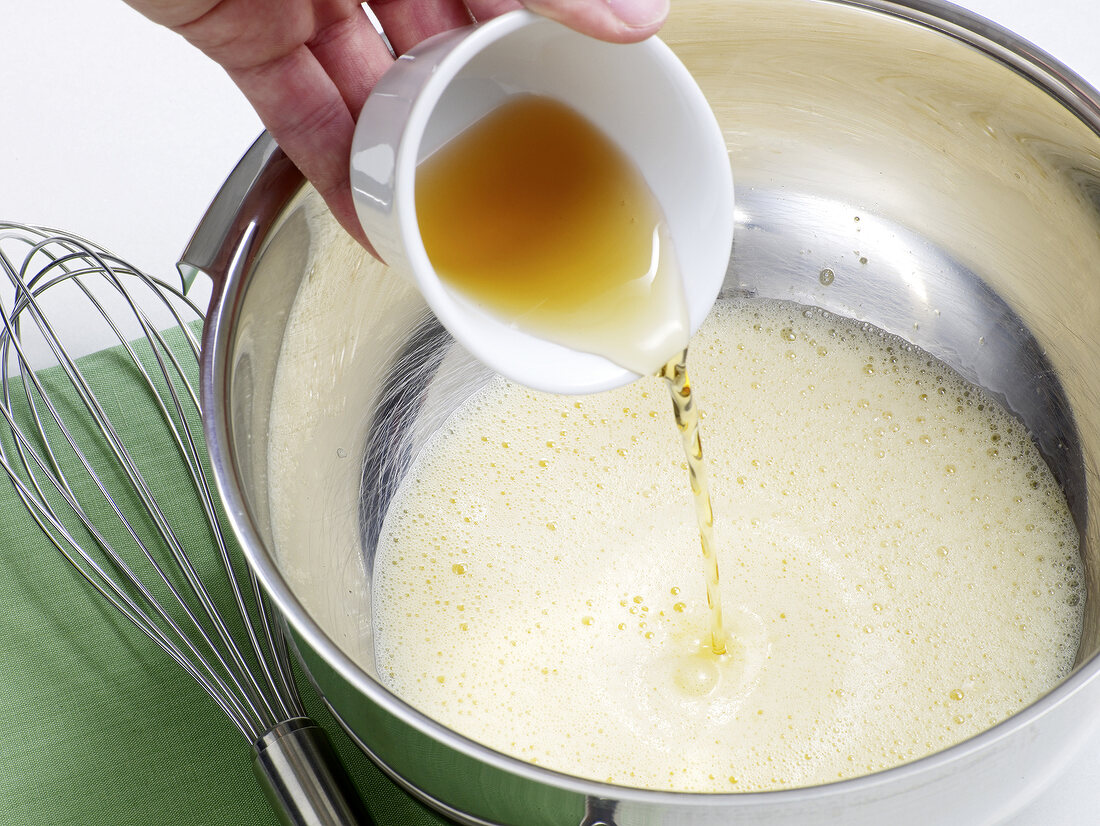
97 724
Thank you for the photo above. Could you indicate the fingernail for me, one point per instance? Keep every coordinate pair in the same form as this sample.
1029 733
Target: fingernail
639 13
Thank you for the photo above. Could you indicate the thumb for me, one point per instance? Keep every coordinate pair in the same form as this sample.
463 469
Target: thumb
620 21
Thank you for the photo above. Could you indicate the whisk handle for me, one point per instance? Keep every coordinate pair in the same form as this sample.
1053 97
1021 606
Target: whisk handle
304 781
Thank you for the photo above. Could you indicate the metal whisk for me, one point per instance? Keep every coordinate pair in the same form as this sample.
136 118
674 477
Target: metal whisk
88 489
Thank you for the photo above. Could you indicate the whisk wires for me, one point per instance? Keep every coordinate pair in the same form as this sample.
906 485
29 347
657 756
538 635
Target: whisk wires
77 465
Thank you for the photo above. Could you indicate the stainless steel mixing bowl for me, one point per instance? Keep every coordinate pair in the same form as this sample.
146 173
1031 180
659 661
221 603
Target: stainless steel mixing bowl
972 163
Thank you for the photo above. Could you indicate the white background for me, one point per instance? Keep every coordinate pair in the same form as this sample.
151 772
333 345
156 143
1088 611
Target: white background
118 131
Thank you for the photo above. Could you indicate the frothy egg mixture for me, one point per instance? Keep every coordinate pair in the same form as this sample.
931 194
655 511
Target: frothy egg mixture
898 567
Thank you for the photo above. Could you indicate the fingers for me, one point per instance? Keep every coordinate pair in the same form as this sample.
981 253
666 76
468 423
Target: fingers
407 22
304 110
620 21
353 55
309 98
488 9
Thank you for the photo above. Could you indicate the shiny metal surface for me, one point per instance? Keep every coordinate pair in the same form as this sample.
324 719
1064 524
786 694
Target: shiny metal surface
292 761
973 165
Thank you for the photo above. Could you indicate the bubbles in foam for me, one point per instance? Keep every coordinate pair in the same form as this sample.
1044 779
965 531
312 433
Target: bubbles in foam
899 565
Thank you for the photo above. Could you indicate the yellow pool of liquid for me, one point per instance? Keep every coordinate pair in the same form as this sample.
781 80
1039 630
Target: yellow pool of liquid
899 568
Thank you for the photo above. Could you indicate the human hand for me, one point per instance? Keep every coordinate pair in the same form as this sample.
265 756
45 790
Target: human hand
307 66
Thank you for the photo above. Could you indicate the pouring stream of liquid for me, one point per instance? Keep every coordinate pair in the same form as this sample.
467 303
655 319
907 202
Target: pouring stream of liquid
687 422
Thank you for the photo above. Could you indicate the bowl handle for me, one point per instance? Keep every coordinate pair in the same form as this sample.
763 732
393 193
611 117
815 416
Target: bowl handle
252 197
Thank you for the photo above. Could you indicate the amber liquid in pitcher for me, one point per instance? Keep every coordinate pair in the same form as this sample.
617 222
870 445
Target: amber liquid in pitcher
533 215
